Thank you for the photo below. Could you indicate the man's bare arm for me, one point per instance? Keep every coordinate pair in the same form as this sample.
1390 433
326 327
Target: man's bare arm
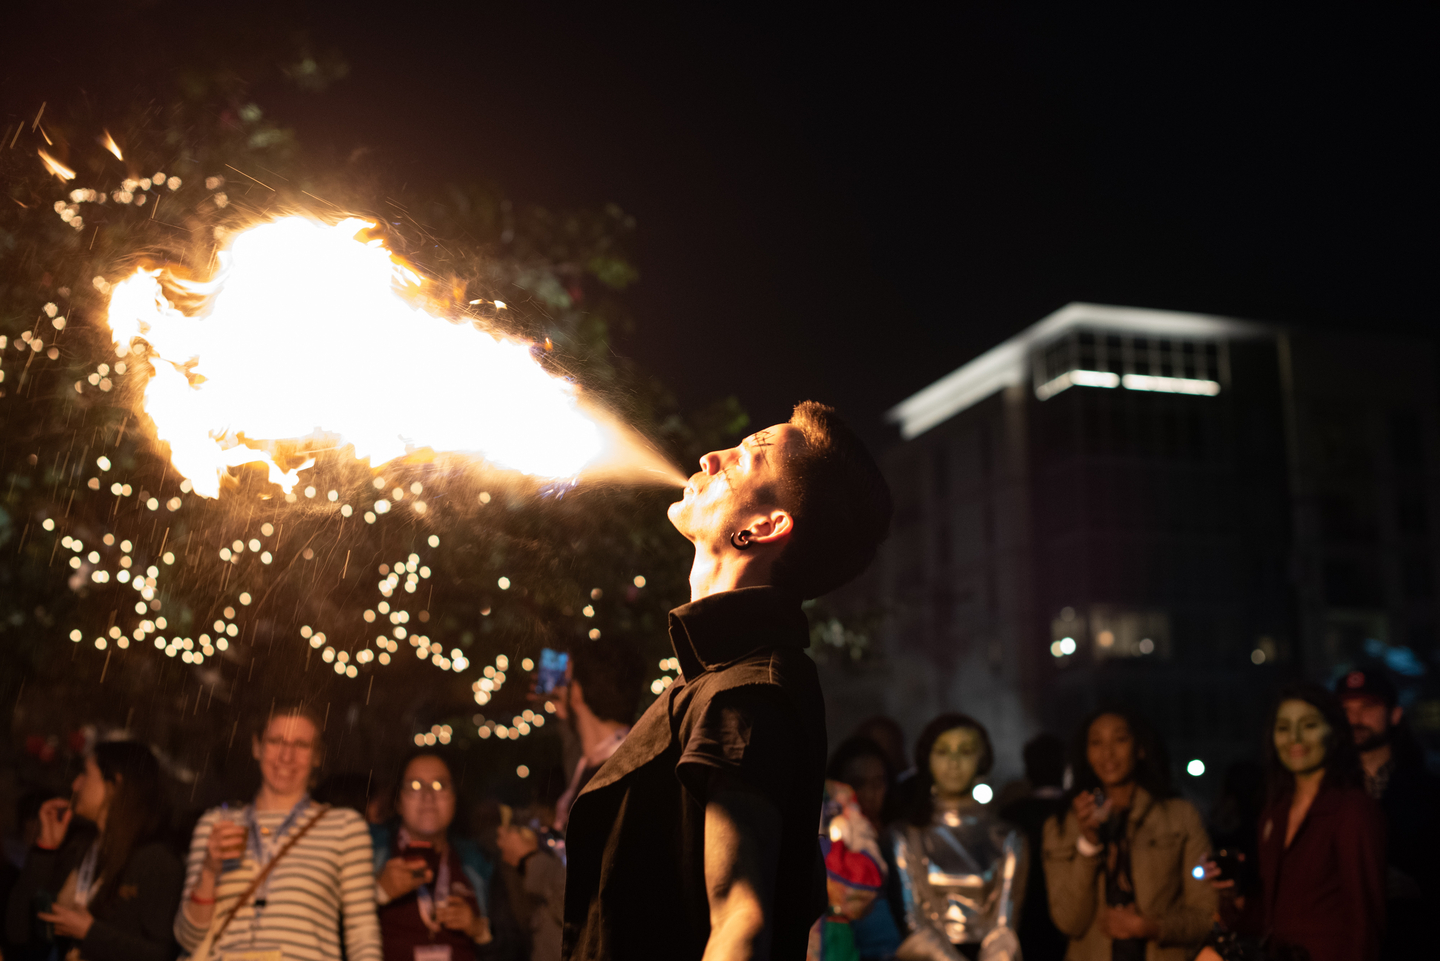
742 842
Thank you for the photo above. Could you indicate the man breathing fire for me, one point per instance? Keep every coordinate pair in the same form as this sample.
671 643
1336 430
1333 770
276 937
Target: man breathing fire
698 837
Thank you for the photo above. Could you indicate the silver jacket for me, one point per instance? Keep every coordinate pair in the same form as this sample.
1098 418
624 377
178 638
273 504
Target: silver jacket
961 879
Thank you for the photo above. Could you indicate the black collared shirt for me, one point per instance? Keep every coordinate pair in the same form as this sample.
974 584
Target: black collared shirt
749 704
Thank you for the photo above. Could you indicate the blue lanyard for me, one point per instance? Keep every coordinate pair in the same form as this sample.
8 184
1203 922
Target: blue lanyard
258 848
85 875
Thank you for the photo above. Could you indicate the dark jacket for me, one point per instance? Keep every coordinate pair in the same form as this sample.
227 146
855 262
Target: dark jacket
749 704
1039 938
1326 892
133 918
1411 804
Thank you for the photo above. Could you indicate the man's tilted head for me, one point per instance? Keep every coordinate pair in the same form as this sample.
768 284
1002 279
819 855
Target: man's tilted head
804 497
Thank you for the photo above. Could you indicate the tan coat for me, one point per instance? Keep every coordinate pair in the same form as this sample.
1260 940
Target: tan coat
1167 840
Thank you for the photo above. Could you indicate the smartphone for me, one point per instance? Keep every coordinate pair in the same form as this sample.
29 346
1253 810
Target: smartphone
42 903
1230 864
426 853
552 671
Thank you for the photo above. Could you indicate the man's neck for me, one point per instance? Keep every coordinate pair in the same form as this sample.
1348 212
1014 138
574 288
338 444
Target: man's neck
592 731
727 570
271 800
1375 758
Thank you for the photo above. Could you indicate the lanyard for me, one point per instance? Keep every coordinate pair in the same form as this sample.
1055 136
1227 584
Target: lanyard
425 897
85 875
262 852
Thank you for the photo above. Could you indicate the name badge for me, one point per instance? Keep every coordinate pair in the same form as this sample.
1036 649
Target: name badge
432 952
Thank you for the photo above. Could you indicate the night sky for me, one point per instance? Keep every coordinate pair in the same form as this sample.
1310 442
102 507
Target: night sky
848 205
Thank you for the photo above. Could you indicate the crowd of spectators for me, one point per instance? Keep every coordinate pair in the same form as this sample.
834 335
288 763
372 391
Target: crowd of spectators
1326 851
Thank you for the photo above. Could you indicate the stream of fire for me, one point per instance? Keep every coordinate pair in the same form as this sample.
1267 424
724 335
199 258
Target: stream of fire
309 337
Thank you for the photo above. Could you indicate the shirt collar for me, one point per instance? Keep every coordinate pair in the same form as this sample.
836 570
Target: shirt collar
720 629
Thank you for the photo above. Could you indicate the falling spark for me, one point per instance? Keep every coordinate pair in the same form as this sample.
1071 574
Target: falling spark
108 142
56 167
307 341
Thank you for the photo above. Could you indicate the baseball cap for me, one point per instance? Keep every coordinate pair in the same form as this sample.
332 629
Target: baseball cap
1366 682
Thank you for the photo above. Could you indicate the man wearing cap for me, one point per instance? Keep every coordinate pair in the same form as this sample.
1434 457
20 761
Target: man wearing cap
1395 776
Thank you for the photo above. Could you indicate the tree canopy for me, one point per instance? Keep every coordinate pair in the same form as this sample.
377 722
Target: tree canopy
127 601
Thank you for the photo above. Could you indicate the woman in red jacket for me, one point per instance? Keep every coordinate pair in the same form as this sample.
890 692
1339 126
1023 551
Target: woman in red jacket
1322 839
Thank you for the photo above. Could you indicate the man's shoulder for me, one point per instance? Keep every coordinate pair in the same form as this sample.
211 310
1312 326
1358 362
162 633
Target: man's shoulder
782 667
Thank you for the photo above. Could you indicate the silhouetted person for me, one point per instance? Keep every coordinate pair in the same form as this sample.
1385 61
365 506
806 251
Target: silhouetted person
1396 777
598 701
1044 757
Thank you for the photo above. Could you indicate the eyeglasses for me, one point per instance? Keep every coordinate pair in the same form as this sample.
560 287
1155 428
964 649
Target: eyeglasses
420 788
275 743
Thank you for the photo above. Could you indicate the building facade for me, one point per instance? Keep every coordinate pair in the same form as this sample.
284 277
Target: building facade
1168 510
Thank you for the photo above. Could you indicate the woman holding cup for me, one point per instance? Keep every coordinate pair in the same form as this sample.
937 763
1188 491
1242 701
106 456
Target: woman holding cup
274 877
103 887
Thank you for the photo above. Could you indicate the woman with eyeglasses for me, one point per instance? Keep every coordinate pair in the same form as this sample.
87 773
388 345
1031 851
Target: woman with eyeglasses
104 886
430 884
319 879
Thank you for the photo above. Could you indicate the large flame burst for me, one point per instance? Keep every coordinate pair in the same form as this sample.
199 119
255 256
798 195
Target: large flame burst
309 338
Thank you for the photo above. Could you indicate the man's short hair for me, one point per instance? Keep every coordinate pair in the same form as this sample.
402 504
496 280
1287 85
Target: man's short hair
839 500
611 677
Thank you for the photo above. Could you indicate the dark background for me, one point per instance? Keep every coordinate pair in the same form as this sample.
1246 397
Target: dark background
849 203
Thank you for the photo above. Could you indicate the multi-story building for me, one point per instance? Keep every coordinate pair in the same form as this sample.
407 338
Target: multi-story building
1166 509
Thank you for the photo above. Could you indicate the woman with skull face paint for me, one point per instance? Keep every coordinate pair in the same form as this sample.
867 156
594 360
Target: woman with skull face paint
1322 839
961 869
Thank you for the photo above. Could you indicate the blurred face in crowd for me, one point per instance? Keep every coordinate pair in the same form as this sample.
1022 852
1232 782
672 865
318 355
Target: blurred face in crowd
427 797
734 488
1110 749
1301 736
288 752
866 776
1370 721
91 793
515 843
955 759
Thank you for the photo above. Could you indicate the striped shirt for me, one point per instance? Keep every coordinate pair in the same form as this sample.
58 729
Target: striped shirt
327 875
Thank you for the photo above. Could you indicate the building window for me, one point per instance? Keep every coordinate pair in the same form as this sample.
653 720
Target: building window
1086 358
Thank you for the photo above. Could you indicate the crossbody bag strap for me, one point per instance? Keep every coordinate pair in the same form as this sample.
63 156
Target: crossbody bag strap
265 871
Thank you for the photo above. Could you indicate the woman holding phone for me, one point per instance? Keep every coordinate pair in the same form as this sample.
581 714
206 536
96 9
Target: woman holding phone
104 886
1322 842
1119 863
430 885
317 858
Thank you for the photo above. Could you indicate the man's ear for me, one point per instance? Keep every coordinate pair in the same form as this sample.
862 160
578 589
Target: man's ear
772 528
255 746
1396 713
